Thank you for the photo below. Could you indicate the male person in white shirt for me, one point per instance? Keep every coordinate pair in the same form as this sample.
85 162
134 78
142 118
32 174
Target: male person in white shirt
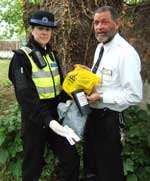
121 87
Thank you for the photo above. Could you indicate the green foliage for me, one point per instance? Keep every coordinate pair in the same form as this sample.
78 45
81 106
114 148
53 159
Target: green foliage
11 150
10 142
35 1
49 168
4 72
133 1
11 19
136 152
137 148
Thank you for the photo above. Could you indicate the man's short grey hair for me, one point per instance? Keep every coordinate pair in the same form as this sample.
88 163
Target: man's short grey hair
112 10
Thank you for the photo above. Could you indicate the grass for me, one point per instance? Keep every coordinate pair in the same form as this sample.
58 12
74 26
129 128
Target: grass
6 90
4 64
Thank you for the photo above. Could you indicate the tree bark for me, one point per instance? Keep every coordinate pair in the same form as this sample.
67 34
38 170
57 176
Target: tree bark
74 39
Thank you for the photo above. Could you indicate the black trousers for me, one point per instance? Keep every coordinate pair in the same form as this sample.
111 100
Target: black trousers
102 147
34 142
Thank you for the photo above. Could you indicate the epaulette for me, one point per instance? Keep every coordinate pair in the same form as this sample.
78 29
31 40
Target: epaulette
26 50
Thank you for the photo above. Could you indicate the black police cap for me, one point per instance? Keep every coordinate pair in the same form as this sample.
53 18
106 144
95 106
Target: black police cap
42 18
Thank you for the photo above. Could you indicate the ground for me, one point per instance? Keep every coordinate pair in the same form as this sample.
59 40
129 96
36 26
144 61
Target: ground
6 90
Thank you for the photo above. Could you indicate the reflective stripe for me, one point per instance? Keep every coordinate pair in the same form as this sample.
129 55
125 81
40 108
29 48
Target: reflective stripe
46 89
43 22
45 92
27 50
45 79
45 82
42 74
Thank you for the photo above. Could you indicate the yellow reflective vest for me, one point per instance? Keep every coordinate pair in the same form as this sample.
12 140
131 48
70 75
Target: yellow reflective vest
47 79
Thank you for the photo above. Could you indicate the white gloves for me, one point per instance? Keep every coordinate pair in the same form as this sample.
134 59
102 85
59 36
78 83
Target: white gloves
64 131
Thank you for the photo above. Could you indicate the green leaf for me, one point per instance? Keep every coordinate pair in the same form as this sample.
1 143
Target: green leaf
16 168
148 140
148 107
128 166
35 1
132 177
142 115
143 174
3 156
2 135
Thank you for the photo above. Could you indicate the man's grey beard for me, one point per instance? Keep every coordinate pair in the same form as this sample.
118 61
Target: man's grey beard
104 39
100 39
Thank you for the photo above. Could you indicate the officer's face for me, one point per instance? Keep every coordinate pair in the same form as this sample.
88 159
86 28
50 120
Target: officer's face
42 34
104 26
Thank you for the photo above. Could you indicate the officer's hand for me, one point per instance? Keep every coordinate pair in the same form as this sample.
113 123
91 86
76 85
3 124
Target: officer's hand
64 131
71 136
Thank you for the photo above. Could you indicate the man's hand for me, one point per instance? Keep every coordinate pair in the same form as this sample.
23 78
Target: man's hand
64 131
95 96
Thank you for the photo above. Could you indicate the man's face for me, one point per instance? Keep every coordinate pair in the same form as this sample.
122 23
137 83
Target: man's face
104 26
42 34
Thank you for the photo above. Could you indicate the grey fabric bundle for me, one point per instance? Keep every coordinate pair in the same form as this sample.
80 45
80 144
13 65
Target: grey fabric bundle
69 113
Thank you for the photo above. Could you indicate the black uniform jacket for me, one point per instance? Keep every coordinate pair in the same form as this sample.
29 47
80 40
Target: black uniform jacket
33 110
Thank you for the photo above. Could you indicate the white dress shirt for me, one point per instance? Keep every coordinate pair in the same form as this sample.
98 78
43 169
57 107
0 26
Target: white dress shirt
119 70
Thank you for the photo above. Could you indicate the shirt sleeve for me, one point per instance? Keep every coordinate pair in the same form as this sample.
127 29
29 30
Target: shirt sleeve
25 91
130 91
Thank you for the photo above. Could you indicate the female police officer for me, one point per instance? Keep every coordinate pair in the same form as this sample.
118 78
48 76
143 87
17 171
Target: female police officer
36 75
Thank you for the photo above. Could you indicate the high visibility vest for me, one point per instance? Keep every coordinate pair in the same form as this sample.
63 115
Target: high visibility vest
47 79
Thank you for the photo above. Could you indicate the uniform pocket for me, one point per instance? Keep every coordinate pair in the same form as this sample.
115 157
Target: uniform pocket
106 74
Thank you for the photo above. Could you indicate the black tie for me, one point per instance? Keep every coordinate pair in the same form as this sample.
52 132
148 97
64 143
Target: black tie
98 60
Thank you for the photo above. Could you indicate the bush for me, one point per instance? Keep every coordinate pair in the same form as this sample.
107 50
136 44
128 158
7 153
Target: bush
10 143
136 152
11 150
137 148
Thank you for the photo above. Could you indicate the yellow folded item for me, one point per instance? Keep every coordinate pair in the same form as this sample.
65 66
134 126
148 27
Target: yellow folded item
80 78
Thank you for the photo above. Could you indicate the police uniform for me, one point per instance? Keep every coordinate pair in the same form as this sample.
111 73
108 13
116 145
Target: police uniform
38 92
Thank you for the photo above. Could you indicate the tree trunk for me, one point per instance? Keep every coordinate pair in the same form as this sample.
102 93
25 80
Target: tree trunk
77 42
74 38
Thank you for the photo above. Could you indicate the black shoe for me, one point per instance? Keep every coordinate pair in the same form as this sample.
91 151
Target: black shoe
90 177
81 179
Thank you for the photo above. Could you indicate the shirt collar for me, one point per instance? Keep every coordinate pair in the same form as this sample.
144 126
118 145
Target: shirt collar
109 44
